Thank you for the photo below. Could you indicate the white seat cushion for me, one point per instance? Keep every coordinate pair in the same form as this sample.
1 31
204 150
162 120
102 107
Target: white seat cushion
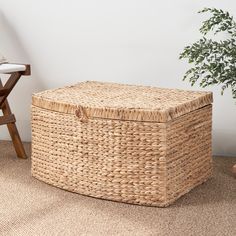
9 68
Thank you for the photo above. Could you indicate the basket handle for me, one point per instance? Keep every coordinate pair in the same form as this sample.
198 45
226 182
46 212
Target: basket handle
81 114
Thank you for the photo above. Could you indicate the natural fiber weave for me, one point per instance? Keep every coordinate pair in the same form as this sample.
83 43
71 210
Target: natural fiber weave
122 102
147 163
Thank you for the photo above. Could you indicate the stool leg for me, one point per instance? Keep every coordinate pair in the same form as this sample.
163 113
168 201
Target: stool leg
20 151
6 110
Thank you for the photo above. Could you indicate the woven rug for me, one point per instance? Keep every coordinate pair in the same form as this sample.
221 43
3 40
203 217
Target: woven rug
30 207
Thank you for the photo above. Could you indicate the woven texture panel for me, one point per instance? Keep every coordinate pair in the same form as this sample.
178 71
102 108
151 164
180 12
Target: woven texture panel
122 102
146 163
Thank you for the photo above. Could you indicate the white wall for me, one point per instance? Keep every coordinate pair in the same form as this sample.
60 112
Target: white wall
129 41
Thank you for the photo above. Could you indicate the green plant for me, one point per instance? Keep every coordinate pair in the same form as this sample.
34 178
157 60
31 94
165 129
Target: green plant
214 61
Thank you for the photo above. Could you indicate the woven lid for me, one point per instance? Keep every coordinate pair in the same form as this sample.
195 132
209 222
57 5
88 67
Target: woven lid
124 102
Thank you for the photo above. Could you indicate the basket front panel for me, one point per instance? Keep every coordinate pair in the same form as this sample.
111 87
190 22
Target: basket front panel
110 159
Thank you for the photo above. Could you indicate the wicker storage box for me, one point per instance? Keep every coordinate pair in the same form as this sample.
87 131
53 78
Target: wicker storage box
133 144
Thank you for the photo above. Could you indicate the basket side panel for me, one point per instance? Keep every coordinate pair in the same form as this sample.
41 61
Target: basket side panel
110 159
189 154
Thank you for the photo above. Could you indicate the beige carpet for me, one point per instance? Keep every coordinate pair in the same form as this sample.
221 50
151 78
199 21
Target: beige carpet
30 207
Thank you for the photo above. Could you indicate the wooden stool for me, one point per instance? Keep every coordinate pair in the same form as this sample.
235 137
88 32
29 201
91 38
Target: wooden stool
15 71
